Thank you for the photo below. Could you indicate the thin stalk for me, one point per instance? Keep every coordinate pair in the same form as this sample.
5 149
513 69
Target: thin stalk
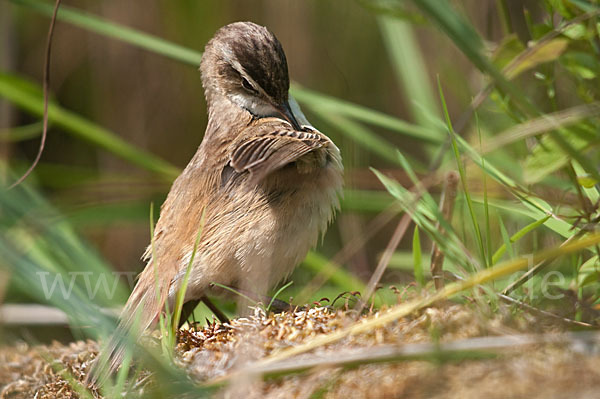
417 258
486 208
186 278
463 176
279 291
517 236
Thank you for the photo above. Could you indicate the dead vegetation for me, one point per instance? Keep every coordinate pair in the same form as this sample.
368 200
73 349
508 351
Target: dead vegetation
432 354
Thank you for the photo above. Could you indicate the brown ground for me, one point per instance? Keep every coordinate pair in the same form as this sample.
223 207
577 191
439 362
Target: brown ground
556 370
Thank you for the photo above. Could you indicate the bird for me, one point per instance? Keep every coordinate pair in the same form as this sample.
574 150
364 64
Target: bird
260 191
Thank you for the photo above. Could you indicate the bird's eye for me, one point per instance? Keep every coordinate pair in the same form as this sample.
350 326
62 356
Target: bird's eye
248 86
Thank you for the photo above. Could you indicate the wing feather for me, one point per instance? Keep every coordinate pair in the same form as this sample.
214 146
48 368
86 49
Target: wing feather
265 154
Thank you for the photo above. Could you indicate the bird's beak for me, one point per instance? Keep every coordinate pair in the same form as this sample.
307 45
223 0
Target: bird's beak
286 111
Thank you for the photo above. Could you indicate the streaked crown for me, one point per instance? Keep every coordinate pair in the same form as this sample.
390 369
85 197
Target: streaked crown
246 63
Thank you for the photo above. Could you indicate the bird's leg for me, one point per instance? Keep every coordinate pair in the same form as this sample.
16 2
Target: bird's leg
276 305
188 309
216 311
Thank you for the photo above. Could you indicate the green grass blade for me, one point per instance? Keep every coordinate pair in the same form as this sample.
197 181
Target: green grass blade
337 275
467 39
327 104
101 26
123 373
417 258
591 191
182 290
411 70
486 205
428 204
363 136
21 133
559 226
515 237
365 201
470 43
427 216
23 94
463 176
507 242
279 291
536 208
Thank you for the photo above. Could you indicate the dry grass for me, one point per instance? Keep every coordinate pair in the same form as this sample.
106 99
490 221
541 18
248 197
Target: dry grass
217 352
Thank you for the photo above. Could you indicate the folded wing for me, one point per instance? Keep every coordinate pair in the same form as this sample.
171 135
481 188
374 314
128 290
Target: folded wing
265 154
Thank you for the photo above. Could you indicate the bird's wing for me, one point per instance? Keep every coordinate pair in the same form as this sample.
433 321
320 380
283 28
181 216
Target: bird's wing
261 155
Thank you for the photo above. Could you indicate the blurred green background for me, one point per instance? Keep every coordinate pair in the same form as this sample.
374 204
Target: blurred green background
383 56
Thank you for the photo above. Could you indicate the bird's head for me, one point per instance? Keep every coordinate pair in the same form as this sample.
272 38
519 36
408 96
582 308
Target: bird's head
245 63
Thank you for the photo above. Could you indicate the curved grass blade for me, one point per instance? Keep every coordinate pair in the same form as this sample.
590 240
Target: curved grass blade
22 93
463 176
517 236
106 28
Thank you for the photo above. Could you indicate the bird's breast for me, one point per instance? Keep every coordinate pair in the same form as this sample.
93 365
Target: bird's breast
254 237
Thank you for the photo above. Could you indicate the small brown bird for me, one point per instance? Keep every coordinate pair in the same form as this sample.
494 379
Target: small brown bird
265 179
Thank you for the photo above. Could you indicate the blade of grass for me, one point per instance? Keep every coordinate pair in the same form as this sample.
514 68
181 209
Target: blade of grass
410 69
123 373
591 192
360 134
25 209
463 177
21 133
507 243
337 275
320 102
106 28
486 207
504 16
539 207
515 237
555 148
417 258
236 292
426 214
21 93
186 278
279 291
542 124
555 224
365 200
468 40
404 260
31 225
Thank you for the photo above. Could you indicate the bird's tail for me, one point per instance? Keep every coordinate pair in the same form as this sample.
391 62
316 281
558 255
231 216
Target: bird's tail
140 313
